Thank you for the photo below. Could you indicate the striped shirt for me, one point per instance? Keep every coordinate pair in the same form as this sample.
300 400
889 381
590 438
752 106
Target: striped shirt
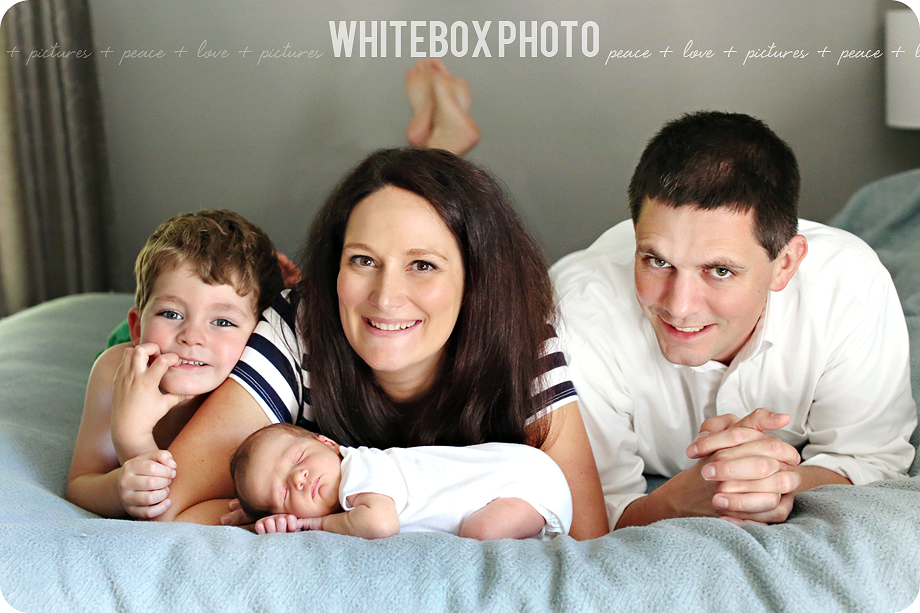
271 369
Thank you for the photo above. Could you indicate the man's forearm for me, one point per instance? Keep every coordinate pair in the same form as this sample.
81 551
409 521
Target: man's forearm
666 502
642 512
813 476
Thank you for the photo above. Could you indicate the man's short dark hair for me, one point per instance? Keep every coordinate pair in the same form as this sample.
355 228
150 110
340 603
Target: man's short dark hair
709 160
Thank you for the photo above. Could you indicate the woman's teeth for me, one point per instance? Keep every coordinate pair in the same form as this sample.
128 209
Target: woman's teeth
392 327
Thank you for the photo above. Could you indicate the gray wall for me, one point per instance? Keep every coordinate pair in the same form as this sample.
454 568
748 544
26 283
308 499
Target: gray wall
270 140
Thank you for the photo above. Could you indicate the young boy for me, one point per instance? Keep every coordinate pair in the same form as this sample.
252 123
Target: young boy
202 281
304 481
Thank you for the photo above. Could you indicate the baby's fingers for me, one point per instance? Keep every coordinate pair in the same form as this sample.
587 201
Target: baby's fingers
276 523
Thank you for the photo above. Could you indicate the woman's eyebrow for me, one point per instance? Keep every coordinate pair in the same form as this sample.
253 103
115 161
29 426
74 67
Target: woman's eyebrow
425 253
415 252
356 247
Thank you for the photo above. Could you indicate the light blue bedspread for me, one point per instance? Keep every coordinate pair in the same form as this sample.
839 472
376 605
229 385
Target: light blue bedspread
842 549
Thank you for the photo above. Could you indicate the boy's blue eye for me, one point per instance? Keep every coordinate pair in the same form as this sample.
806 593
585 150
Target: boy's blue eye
223 323
169 314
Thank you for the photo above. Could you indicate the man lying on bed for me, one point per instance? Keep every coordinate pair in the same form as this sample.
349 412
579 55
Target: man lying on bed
712 306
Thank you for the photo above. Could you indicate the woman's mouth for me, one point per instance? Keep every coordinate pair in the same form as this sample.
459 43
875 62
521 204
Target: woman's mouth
391 327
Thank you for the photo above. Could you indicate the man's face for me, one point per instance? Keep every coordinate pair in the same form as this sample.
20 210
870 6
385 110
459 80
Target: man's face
702 280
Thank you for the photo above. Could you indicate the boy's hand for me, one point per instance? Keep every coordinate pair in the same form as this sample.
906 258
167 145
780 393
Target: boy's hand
144 484
287 523
137 402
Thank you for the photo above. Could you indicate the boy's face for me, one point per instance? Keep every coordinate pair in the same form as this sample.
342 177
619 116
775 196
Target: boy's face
207 326
294 474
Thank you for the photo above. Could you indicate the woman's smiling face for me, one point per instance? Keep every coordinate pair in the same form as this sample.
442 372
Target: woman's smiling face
400 287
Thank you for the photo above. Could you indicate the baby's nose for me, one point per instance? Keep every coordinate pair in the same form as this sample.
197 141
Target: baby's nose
301 478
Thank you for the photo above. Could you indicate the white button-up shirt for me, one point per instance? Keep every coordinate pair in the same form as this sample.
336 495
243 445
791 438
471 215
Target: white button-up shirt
831 349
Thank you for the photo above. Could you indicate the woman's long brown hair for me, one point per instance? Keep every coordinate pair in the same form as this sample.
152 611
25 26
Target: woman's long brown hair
485 392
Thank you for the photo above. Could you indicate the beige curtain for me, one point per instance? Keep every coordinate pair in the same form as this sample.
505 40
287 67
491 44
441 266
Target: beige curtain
12 253
58 207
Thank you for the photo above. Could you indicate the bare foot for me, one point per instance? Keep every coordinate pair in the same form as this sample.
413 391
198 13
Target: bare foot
420 89
440 102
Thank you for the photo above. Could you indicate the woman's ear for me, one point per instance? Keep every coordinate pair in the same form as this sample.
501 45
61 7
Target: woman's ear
788 262
134 326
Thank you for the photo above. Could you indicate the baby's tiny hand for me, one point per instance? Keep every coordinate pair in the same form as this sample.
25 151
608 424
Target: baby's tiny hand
278 523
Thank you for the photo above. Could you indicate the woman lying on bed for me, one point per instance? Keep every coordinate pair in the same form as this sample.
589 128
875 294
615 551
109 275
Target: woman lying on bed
423 317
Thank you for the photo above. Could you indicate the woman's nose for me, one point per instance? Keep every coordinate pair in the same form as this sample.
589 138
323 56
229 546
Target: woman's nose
389 292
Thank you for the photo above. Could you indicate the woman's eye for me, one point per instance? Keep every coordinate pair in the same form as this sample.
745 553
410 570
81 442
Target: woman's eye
362 260
423 266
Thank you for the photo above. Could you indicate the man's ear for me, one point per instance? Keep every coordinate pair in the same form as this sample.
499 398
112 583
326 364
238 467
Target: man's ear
788 262
134 325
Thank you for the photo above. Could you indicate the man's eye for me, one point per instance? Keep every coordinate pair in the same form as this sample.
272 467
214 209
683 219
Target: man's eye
657 263
721 273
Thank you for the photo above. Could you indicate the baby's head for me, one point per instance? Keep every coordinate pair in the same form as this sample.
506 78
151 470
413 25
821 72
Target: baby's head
285 469
202 280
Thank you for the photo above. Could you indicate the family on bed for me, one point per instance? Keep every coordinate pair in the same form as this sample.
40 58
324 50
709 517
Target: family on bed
428 371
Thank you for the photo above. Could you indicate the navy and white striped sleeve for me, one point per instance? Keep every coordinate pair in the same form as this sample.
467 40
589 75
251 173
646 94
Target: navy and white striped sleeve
554 388
271 367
